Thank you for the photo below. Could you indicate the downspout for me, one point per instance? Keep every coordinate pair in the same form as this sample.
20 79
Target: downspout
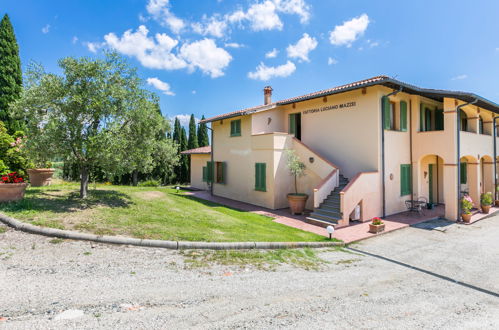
495 156
212 162
458 141
383 148
410 147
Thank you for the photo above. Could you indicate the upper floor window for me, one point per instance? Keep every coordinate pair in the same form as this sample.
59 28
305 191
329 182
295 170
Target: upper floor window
480 125
235 127
431 118
395 115
464 121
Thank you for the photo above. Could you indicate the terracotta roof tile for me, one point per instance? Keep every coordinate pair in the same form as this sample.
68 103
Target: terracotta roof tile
200 150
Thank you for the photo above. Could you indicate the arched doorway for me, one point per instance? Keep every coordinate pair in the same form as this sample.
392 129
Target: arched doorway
469 178
431 183
487 174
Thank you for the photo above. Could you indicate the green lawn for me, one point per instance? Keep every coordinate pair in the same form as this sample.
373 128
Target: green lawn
145 212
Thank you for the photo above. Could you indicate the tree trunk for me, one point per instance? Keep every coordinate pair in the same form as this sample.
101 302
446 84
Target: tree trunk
135 178
83 182
296 186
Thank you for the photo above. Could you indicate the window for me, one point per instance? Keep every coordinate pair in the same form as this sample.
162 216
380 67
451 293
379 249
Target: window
295 125
464 173
464 121
405 179
395 117
221 172
480 125
235 127
205 174
208 172
431 118
260 177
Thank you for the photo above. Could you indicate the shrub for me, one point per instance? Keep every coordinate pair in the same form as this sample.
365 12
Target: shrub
486 198
149 183
466 205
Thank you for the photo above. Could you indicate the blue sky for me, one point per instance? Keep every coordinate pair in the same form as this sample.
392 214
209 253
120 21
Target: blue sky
215 56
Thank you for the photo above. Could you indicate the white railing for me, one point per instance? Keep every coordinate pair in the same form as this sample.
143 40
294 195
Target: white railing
327 185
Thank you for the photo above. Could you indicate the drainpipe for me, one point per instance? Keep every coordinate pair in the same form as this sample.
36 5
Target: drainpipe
458 141
383 148
212 162
495 156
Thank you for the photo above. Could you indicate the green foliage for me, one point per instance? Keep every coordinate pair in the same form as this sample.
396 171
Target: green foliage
12 152
295 166
94 115
150 183
192 142
466 205
203 139
10 74
486 199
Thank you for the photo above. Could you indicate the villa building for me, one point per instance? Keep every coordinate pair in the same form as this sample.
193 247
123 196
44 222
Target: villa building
369 147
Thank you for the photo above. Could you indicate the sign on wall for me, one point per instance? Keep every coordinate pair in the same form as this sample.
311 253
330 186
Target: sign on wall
331 107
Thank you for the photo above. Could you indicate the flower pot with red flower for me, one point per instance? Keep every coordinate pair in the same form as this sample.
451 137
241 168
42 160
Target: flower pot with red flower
376 226
12 187
466 206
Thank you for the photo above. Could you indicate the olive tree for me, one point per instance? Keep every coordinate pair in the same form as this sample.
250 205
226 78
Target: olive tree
93 114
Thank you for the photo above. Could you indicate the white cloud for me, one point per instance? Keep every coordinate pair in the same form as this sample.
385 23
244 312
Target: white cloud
299 7
74 40
160 11
154 53
94 46
264 72
263 16
206 56
272 54
46 29
194 92
372 44
497 49
234 45
160 52
185 119
214 26
301 49
460 77
160 85
331 61
349 31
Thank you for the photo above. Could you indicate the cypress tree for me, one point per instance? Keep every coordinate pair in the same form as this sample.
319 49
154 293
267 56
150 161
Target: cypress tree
184 159
176 131
192 143
10 73
203 139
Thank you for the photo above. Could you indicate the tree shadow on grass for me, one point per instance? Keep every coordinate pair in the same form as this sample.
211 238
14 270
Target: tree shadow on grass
57 201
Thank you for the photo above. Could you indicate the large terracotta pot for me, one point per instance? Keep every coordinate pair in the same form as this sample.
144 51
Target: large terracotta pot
485 208
466 217
11 192
297 203
39 177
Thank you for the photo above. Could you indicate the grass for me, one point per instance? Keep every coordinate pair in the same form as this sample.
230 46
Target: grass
2 229
147 212
264 260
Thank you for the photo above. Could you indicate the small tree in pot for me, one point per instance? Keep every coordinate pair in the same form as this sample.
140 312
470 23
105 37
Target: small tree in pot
466 206
297 168
486 202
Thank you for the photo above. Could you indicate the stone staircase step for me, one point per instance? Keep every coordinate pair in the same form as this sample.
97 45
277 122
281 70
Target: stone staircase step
319 222
327 213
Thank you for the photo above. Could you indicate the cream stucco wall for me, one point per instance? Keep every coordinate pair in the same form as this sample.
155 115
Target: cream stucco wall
198 161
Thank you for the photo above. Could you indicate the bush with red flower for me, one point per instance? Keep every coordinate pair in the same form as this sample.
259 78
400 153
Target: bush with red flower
12 178
13 157
377 221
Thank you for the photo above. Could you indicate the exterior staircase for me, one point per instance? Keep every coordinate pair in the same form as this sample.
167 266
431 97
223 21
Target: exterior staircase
329 212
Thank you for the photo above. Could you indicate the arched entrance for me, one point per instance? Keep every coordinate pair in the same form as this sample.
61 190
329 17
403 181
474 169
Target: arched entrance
431 182
470 178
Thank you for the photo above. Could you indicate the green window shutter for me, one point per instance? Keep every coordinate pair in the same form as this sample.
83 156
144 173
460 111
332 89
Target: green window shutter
403 116
386 112
405 179
464 173
205 174
210 171
428 119
439 119
260 177
292 124
421 118
235 127
224 172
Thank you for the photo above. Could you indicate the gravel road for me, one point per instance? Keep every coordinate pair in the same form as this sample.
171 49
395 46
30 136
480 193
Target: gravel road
90 286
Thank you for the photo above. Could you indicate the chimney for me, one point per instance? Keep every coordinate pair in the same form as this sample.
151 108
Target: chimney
267 95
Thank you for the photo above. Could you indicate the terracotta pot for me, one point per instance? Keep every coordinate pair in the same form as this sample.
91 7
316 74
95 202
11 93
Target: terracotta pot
39 177
497 202
466 217
376 228
297 203
11 192
485 208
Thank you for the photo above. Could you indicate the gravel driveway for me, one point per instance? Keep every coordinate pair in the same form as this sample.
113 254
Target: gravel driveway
87 285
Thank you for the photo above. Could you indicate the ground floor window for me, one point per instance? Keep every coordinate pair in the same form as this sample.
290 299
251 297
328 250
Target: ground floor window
464 173
260 177
405 179
217 171
221 169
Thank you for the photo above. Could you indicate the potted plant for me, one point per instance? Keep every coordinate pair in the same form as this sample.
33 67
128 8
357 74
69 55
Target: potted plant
466 206
41 174
296 200
486 202
376 226
12 187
